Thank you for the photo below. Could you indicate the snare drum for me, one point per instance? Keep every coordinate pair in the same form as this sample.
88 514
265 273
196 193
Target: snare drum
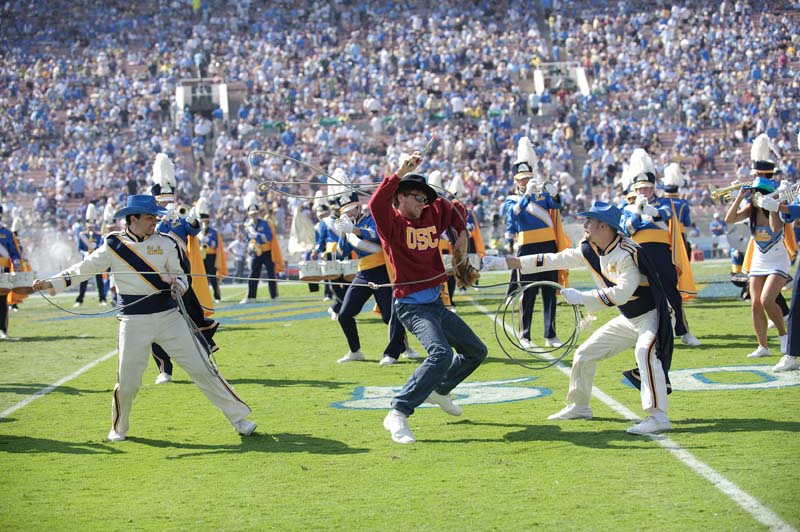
349 269
331 270
23 282
310 270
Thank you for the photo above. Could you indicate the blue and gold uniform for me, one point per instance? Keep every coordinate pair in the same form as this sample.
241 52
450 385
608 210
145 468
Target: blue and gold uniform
9 259
265 252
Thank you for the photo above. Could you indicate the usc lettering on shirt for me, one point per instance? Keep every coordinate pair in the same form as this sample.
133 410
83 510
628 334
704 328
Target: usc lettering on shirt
422 238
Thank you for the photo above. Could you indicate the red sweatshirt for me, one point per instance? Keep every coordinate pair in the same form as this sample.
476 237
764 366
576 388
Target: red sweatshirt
413 245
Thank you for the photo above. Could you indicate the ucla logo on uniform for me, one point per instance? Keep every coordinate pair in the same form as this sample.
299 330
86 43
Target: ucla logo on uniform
154 250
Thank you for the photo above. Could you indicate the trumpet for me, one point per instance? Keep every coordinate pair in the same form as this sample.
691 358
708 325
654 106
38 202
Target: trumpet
785 193
183 211
724 194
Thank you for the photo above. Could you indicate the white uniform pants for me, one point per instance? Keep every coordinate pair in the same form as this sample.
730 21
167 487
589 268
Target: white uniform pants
618 335
170 331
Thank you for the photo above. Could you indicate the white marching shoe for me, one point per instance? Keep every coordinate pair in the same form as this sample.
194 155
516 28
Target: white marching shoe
410 354
351 356
572 411
786 363
113 435
397 424
649 425
387 361
163 378
553 342
690 340
444 402
247 301
245 427
760 352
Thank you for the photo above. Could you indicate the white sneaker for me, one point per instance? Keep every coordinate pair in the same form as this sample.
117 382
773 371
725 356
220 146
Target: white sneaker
332 314
113 435
410 354
397 424
690 340
103 304
351 356
387 361
245 427
786 363
572 411
76 305
3 335
525 343
163 378
649 425
760 352
553 342
784 341
247 301
444 402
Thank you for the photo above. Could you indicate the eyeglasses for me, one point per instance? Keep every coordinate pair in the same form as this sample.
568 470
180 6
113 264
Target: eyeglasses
419 197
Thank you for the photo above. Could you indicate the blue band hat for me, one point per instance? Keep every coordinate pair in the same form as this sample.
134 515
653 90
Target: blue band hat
166 196
417 182
606 213
141 204
761 184
522 170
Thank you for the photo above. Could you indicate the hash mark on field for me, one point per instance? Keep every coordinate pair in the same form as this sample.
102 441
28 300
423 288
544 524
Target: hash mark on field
48 389
747 502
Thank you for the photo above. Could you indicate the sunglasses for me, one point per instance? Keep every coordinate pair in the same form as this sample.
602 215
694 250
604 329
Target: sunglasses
419 197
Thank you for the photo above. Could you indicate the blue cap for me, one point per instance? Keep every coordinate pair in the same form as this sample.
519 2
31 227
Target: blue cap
141 204
762 184
604 212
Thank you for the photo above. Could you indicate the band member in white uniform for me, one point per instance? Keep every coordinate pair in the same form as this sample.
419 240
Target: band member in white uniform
625 278
149 276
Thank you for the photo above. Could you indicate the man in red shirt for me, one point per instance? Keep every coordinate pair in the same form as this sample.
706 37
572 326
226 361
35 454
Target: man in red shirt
409 217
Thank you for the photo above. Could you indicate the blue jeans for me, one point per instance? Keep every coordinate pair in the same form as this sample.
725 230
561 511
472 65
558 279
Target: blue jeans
437 329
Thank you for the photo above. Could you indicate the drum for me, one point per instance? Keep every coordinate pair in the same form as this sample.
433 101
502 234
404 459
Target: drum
6 283
349 269
448 264
310 270
331 269
739 236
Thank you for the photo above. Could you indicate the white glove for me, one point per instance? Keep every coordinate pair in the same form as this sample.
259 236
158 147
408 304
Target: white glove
649 210
178 287
551 188
172 213
344 225
192 216
572 296
532 188
493 263
768 204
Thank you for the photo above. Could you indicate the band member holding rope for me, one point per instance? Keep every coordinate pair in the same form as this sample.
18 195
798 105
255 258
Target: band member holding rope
410 217
265 251
183 229
90 239
533 218
625 278
9 258
148 271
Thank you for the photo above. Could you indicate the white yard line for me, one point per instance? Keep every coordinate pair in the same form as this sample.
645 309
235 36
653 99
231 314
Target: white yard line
747 502
48 389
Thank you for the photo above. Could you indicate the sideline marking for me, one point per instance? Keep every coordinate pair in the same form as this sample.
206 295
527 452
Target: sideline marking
48 389
747 502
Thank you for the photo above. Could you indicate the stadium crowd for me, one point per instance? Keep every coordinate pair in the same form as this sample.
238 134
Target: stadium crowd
88 99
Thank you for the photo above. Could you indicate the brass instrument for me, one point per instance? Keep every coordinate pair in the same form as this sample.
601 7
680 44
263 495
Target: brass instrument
183 210
724 194
785 193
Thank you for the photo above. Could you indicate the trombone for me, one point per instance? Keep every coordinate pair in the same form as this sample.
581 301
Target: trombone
724 194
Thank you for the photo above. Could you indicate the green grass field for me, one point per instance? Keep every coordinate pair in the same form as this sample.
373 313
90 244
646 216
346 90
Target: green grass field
730 463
